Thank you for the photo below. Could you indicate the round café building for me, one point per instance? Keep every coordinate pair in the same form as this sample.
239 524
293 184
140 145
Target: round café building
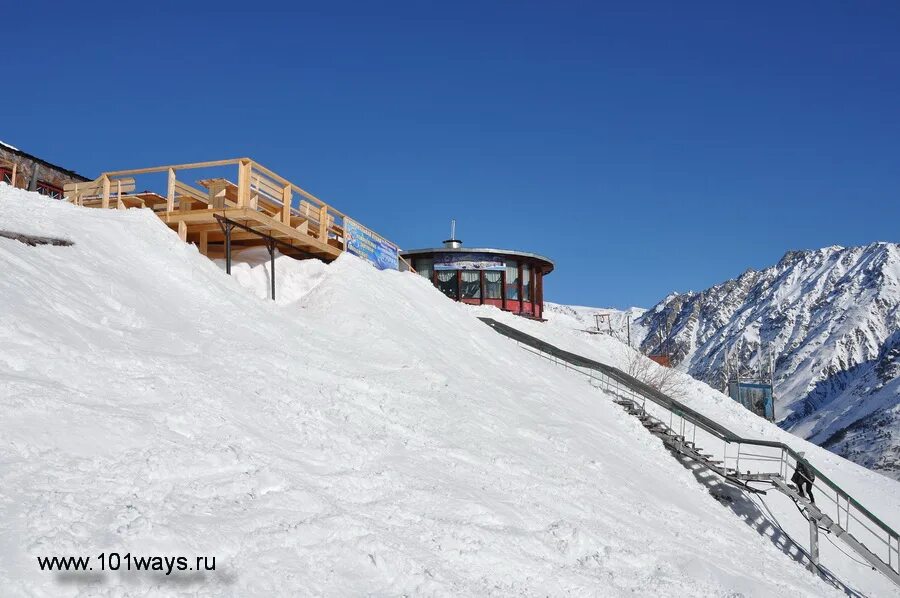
510 280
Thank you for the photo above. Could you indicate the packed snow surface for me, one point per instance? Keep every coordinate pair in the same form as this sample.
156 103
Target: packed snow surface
367 437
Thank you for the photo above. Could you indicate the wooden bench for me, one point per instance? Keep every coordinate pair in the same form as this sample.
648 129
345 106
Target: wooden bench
224 193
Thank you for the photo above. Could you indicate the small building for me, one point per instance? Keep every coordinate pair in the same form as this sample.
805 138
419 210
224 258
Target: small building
754 395
510 280
662 359
25 171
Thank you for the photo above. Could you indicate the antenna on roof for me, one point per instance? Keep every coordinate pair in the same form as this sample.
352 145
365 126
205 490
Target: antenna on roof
452 242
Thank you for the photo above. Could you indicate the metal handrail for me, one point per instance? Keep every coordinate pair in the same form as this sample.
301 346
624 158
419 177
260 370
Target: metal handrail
698 420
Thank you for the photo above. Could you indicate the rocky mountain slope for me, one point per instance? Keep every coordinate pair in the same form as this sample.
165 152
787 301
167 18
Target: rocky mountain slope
830 318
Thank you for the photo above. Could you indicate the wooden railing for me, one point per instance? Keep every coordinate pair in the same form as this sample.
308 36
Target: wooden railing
253 187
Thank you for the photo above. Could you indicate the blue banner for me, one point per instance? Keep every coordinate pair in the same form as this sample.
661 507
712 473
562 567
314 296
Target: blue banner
378 252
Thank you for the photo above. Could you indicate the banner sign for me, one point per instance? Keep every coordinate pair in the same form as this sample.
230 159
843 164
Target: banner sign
469 261
378 252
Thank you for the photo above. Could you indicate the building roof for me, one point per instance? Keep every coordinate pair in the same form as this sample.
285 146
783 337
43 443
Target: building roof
28 156
546 263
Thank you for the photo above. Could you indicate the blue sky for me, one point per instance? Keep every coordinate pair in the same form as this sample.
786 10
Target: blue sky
645 148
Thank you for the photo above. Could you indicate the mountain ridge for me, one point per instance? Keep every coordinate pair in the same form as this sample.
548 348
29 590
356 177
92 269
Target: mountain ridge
829 317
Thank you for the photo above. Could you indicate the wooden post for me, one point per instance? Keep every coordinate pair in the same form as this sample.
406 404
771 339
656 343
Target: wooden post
12 181
217 196
323 224
105 201
120 205
182 231
287 197
170 196
243 195
254 197
204 242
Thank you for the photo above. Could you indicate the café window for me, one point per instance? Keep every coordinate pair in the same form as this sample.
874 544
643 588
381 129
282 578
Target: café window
425 267
492 285
49 190
447 283
471 284
512 280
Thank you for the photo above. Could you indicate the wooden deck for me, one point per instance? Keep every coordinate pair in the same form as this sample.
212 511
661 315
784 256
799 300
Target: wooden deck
268 206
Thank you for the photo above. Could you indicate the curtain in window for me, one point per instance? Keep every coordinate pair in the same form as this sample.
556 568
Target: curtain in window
512 280
471 284
492 283
447 283
425 267
526 283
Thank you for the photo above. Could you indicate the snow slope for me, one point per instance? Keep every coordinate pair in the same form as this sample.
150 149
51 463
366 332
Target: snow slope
878 493
370 438
831 319
582 319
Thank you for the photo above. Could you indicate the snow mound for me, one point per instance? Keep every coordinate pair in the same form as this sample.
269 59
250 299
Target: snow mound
368 437
252 269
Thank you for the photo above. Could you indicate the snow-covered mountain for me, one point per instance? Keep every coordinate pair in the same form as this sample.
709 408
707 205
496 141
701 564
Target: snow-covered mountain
830 319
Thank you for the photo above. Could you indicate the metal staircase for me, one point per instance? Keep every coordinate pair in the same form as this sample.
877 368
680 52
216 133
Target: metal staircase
742 461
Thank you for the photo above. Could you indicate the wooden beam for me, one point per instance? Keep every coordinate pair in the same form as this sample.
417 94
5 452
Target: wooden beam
182 231
204 242
236 235
244 168
257 220
14 175
323 224
119 203
287 196
105 204
170 195
187 166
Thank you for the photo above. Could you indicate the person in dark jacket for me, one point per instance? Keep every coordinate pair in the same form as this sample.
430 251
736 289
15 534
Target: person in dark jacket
804 477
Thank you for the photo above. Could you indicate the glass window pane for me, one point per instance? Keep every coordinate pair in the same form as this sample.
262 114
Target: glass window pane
512 280
425 267
447 282
492 284
471 284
